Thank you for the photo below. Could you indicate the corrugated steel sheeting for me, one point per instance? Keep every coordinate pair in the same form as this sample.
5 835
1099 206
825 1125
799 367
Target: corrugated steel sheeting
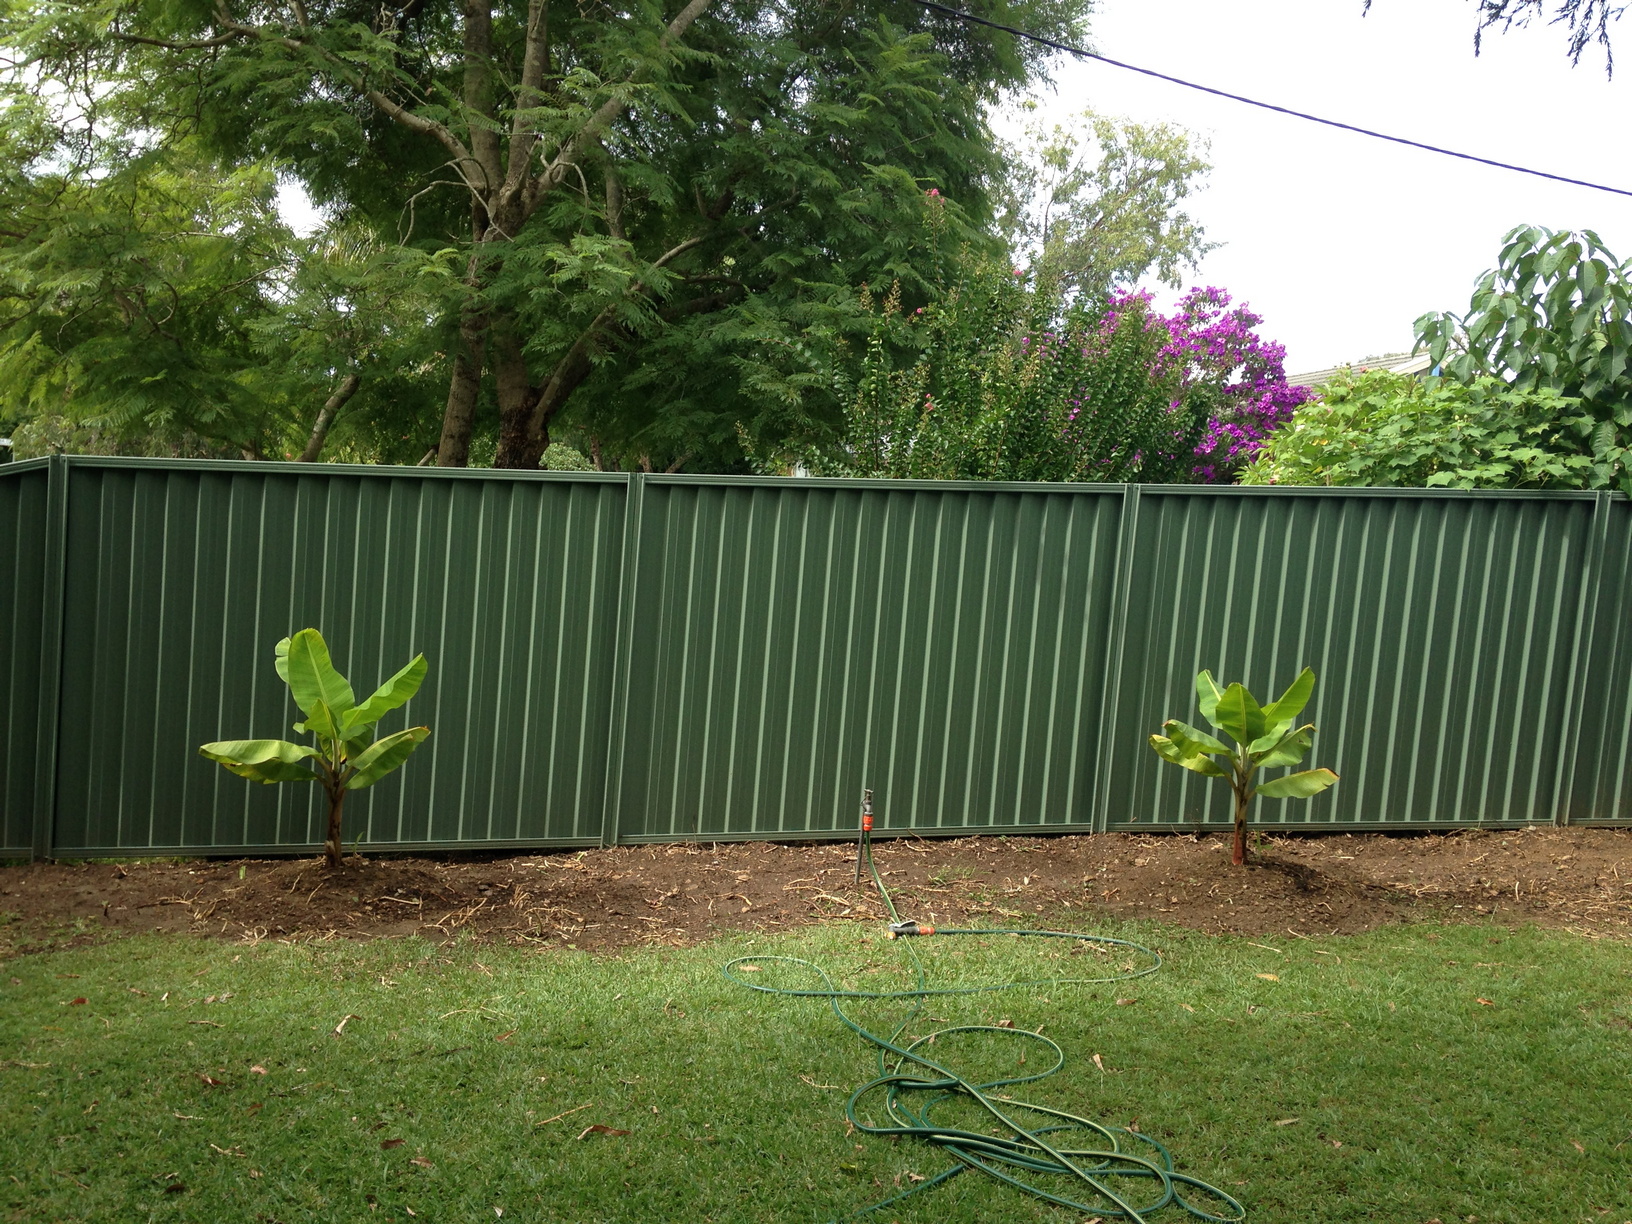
1442 629
661 658
798 641
24 548
183 577
1601 739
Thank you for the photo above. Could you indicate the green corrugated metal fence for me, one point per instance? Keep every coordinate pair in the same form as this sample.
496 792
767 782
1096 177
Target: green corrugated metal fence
1447 632
181 576
26 541
796 641
658 658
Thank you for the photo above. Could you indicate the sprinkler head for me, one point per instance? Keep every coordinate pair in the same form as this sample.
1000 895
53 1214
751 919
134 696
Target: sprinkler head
899 930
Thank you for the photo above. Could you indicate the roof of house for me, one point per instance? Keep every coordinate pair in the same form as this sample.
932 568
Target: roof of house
1399 363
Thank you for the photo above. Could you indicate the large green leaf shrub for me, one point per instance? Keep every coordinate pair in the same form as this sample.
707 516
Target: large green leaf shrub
1384 429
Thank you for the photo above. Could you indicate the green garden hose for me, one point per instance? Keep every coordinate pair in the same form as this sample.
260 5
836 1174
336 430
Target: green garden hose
1104 1168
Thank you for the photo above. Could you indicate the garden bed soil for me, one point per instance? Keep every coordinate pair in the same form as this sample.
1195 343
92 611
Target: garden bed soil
678 894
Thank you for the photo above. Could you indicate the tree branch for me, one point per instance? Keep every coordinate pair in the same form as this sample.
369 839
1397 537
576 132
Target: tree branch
614 203
478 89
706 304
573 367
325 418
392 110
535 62
195 44
551 176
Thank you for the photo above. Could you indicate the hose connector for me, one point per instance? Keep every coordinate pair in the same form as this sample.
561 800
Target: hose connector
899 930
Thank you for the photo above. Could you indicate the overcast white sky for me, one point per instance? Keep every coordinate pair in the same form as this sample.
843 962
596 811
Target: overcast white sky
1338 240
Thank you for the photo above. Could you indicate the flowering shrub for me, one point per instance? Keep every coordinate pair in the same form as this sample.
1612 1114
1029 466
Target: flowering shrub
1216 348
1001 379
997 380
1007 373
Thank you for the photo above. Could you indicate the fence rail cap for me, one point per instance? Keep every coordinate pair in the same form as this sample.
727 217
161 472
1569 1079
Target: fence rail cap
888 484
291 468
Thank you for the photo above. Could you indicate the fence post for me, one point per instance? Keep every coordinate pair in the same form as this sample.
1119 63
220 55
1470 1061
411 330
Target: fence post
622 654
1110 721
50 709
1586 618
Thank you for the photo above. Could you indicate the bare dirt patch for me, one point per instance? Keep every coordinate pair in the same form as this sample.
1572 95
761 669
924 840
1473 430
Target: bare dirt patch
1577 878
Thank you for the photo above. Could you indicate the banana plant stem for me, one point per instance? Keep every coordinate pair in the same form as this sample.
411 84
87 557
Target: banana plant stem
331 846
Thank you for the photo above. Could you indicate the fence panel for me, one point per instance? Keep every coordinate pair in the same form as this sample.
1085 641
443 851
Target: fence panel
1603 734
798 640
24 513
1442 629
182 576
666 658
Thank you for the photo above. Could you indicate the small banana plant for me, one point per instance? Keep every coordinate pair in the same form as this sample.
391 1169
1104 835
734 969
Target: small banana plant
1264 736
347 756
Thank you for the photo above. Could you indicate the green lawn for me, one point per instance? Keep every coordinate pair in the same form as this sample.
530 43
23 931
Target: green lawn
1413 1100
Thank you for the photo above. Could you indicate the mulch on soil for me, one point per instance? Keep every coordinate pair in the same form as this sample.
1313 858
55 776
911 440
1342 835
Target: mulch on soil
630 895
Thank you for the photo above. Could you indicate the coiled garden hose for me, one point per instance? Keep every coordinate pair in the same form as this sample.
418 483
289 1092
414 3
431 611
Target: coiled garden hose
1110 1171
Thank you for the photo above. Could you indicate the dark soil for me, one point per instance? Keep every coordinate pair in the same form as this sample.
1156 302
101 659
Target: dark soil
1575 878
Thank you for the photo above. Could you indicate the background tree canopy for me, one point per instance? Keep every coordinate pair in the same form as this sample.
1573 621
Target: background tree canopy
643 227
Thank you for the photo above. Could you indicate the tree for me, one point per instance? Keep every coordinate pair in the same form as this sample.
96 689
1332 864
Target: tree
1555 314
1099 206
156 303
1587 21
130 281
619 184
354 349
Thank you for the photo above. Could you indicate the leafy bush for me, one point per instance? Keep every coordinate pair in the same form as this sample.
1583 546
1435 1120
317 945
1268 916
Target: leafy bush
998 380
559 457
54 434
1555 314
1006 377
1386 429
1223 357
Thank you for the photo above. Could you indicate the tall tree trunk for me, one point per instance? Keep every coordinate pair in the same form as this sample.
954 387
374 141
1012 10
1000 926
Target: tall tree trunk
524 436
465 385
481 172
519 445
325 418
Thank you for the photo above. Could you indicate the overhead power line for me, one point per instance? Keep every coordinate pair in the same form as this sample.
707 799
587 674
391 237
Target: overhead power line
1269 106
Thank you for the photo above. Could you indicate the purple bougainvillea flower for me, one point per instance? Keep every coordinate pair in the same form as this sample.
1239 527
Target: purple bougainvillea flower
1219 346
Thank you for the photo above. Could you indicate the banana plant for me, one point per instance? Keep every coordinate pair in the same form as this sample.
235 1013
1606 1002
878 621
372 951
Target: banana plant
1264 736
347 756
